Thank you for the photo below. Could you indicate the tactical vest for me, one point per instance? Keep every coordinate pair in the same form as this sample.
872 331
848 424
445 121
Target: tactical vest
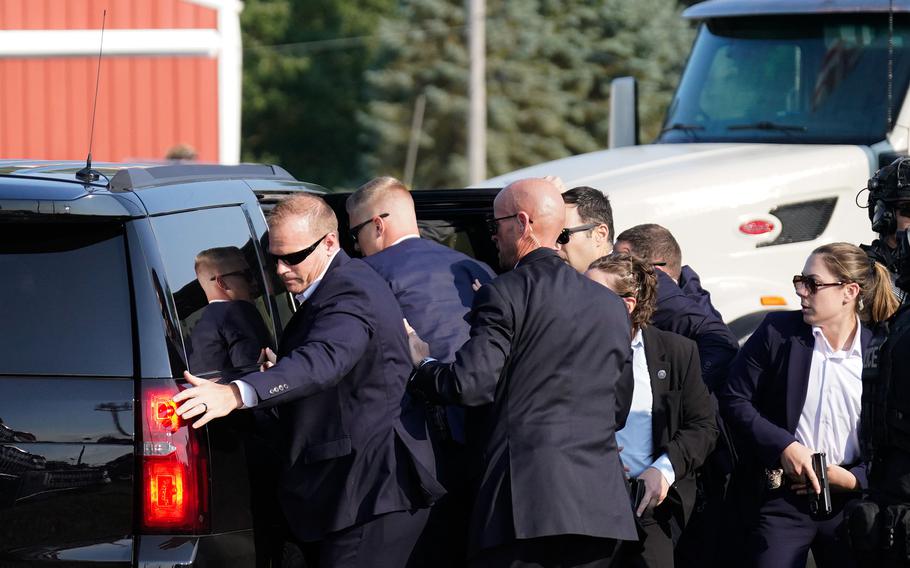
885 418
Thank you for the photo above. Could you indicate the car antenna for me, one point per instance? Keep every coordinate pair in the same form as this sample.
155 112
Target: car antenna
87 174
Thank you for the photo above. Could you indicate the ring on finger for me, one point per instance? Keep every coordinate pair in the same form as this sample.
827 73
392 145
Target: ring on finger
205 407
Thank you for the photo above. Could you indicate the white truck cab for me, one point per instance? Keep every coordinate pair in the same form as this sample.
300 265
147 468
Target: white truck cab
780 118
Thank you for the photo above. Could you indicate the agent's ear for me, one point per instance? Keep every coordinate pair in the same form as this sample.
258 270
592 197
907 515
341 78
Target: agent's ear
524 221
631 303
851 292
379 224
601 233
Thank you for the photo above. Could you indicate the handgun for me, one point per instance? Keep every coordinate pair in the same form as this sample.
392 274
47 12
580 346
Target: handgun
820 503
636 492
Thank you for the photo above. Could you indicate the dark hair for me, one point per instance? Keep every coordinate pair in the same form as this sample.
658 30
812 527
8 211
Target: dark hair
593 206
635 279
654 243
850 263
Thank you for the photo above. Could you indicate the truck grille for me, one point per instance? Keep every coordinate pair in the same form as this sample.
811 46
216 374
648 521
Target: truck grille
803 221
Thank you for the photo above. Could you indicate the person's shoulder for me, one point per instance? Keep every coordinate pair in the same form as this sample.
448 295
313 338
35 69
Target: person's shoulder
781 324
668 341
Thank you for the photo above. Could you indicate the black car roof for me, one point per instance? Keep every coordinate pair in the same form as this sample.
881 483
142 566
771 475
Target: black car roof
733 8
48 187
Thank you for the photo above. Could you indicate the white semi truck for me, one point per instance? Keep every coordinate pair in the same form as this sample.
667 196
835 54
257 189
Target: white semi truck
780 118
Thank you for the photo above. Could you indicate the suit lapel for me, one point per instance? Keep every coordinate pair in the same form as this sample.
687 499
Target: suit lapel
659 372
798 364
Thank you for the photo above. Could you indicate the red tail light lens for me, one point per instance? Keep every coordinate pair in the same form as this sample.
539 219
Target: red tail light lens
174 467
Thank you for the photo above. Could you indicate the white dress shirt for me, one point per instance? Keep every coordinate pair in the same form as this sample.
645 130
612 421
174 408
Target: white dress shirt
247 392
830 416
404 238
636 437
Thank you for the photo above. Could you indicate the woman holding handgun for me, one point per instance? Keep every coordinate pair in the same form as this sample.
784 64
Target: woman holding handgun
671 427
793 393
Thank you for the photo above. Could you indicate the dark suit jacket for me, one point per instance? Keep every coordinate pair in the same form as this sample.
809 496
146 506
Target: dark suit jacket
683 415
228 335
694 317
549 348
432 284
357 445
764 396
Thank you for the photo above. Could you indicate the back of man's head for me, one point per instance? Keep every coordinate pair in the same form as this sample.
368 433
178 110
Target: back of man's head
388 203
220 262
532 214
593 206
654 244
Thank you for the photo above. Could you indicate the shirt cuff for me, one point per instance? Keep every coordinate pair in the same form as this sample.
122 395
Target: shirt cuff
661 464
247 394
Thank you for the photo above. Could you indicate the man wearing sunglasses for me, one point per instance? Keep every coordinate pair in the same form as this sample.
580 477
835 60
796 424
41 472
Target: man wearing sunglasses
432 284
230 333
359 475
549 348
889 214
588 234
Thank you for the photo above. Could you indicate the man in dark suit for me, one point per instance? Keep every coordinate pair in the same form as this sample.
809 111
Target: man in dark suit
433 286
683 306
550 350
359 469
230 333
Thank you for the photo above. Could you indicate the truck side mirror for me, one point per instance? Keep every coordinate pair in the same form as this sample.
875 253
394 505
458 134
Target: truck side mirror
623 112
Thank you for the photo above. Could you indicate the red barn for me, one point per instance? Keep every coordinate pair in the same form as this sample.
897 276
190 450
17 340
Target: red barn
170 74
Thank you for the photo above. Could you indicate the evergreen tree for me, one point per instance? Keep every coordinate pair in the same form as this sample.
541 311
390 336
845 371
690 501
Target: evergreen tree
549 66
303 81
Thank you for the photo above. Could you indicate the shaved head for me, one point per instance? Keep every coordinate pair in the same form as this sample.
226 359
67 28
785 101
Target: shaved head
539 216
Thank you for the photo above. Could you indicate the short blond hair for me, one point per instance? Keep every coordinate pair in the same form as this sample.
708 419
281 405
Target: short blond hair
377 188
219 257
311 209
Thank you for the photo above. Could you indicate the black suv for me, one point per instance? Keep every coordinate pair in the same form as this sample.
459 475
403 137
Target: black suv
98 302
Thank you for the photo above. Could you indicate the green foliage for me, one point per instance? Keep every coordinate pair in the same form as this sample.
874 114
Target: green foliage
330 85
549 66
302 85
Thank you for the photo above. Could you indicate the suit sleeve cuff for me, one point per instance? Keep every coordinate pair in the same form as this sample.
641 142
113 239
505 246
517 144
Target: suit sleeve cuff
663 465
247 394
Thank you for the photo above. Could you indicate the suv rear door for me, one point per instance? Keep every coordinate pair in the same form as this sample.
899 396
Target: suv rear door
67 363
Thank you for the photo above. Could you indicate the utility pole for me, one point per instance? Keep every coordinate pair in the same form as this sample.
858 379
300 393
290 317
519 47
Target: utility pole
477 92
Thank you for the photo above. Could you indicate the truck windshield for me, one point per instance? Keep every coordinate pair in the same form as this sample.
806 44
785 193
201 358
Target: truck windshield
794 79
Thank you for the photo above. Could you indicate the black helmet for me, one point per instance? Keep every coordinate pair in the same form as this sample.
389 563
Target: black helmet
888 185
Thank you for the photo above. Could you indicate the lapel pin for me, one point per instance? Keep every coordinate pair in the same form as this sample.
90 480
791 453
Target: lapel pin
661 374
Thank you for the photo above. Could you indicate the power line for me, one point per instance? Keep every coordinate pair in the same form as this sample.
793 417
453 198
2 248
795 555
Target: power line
334 44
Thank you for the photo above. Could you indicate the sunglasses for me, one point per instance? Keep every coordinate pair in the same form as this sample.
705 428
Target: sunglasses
493 223
246 273
295 258
812 285
355 230
567 233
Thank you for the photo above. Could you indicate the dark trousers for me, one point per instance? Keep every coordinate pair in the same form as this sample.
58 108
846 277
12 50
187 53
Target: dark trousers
384 542
657 531
563 551
784 532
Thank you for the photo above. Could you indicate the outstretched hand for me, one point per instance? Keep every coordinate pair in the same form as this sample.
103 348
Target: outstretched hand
420 350
206 399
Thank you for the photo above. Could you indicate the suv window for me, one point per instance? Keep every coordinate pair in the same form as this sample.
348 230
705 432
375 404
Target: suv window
56 279
216 278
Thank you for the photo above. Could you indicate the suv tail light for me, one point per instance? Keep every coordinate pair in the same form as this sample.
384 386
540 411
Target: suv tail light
174 466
